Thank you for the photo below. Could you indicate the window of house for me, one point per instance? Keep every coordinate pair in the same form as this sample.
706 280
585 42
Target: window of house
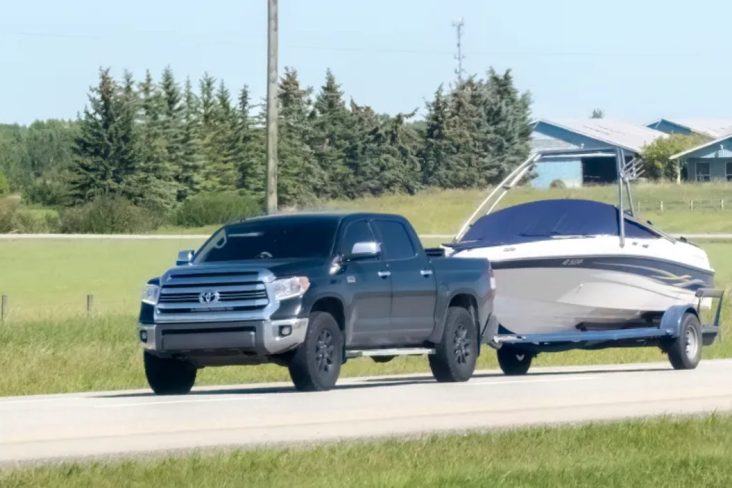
729 171
703 172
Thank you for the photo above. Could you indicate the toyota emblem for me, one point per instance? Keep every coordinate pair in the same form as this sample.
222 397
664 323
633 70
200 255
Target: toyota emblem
209 296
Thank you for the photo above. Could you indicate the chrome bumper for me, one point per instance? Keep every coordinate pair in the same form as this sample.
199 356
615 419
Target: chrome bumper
261 337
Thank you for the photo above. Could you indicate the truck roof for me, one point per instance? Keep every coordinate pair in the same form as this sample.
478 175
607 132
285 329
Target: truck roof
300 216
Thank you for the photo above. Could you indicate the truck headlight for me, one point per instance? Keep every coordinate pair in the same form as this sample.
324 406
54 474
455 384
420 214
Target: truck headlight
289 287
150 294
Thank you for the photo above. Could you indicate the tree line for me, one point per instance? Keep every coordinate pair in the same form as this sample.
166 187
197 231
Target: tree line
158 142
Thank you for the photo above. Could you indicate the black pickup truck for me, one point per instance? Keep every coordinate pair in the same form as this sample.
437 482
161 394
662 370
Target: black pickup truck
308 291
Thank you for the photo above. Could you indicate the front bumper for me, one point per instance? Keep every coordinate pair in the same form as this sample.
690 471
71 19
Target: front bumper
256 337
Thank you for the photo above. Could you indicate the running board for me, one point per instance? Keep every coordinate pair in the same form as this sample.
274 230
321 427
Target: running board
589 336
395 351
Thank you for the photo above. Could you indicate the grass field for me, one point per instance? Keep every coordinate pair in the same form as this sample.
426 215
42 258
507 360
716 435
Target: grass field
50 345
668 452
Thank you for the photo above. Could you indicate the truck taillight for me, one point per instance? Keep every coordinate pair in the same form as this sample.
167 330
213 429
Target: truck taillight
493 280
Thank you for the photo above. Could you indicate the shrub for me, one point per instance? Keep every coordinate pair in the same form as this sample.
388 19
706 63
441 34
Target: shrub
4 185
107 215
31 220
558 184
8 206
216 208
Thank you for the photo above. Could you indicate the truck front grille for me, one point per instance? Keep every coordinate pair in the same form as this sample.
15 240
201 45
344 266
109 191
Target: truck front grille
191 295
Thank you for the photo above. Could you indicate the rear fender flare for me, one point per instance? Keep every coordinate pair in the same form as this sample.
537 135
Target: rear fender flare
441 311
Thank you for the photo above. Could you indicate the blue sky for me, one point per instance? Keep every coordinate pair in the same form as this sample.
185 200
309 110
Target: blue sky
636 59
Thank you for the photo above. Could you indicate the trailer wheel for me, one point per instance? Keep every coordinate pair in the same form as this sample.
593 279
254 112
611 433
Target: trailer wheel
686 350
456 354
169 376
316 364
512 361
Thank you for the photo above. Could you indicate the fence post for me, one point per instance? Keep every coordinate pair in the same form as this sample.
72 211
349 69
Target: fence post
661 206
721 204
3 307
89 304
691 204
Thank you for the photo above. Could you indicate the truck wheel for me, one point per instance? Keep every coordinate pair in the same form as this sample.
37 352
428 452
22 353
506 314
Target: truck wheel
316 364
685 351
512 361
168 376
455 355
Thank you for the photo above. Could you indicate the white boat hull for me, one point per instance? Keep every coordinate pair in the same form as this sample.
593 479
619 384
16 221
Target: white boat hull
561 285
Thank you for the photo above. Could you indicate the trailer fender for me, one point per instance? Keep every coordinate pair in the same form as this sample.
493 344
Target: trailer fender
673 317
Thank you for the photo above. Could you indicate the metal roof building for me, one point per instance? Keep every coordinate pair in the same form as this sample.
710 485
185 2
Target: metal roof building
713 128
711 161
586 134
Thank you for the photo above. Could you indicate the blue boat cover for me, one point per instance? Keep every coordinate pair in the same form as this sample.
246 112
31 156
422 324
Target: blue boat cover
537 221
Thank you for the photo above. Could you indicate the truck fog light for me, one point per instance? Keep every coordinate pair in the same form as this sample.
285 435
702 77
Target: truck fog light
285 330
143 335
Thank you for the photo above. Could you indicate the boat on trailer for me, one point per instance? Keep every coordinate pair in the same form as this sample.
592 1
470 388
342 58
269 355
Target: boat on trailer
586 274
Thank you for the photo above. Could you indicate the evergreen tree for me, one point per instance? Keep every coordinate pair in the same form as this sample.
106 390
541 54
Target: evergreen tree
209 173
189 176
299 174
226 140
250 156
218 137
173 125
508 124
157 176
476 134
384 156
107 148
331 136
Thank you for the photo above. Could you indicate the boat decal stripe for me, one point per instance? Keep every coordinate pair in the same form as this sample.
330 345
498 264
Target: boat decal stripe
666 272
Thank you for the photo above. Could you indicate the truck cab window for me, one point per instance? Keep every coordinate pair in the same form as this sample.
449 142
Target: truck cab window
396 241
358 231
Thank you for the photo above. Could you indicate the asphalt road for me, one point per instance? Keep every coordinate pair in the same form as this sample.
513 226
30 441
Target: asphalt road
49 427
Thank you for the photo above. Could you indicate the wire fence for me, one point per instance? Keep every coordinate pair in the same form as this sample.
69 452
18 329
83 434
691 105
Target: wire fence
680 205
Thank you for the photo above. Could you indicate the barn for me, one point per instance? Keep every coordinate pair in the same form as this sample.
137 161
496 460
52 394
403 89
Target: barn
711 161
712 128
590 134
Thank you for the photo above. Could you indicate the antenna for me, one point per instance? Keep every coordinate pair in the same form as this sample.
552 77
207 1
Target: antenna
458 25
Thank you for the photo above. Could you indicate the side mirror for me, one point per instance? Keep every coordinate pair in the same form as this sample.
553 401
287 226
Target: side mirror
364 250
184 257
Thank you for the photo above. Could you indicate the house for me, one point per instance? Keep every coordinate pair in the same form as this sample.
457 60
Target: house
590 134
712 128
711 161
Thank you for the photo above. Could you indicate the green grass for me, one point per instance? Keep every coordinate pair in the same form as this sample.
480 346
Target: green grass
667 452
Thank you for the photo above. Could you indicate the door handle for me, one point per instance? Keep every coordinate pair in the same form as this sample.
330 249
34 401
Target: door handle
426 272
384 274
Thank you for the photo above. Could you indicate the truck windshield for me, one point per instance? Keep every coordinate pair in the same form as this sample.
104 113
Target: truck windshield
274 239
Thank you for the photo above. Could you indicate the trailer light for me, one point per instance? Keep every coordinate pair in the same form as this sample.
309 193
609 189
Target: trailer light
285 330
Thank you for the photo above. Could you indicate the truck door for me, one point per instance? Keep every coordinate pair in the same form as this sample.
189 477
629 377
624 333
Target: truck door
370 285
413 293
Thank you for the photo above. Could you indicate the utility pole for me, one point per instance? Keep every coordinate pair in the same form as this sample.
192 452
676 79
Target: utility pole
272 107
458 25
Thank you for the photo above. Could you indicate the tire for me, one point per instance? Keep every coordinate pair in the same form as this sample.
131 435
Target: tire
512 361
685 351
167 376
316 364
456 354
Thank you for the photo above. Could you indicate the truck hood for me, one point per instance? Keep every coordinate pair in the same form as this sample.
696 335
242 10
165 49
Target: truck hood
278 267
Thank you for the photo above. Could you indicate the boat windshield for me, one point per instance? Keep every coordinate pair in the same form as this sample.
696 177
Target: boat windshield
550 219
